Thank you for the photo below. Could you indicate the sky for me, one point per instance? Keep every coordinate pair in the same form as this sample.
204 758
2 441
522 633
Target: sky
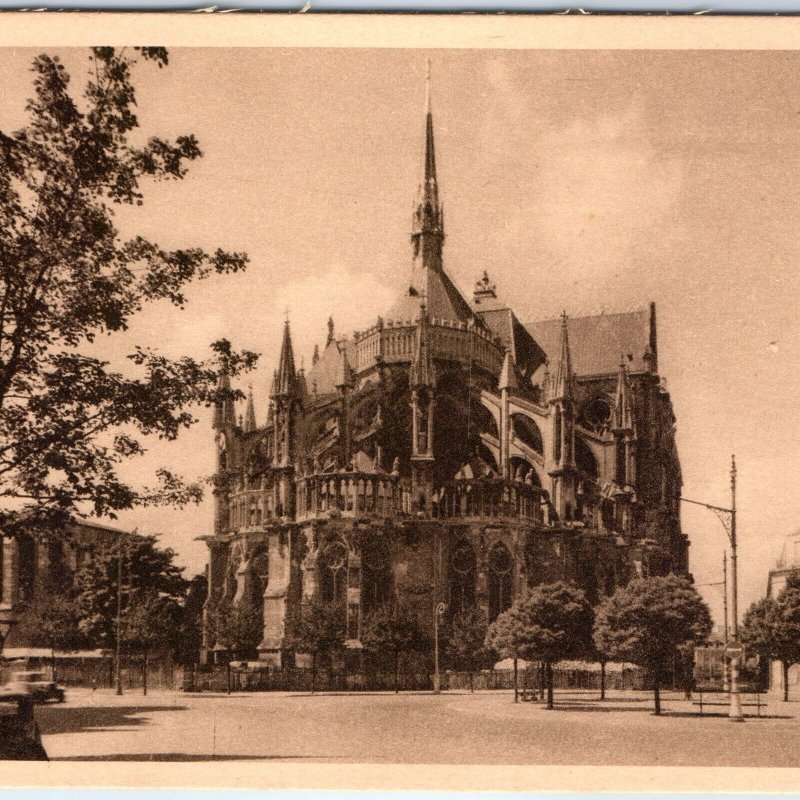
581 180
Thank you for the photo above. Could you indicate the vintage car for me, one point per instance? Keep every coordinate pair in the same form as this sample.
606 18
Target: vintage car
36 685
20 739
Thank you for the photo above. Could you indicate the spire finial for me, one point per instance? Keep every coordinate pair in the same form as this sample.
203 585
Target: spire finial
427 86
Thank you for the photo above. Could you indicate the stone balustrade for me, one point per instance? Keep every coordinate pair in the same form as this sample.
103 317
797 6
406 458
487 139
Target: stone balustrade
350 494
490 497
393 342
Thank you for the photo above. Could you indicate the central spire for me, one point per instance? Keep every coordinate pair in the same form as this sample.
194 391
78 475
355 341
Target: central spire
428 278
427 233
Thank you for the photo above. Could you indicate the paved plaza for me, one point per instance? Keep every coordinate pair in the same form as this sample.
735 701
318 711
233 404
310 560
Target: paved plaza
452 728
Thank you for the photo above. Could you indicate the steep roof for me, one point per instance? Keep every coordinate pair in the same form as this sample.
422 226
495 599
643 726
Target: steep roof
503 323
597 342
286 380
331 366
440 295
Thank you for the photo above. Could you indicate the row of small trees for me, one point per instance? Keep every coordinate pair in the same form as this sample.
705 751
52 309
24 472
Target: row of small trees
648 622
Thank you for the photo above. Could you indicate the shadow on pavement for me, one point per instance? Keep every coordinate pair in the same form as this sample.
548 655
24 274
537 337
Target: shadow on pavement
176 757
61 719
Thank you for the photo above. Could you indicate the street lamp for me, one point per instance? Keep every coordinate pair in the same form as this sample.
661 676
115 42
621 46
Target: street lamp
727 516
438 613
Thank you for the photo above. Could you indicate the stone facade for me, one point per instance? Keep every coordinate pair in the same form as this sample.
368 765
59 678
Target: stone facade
33 568
449 454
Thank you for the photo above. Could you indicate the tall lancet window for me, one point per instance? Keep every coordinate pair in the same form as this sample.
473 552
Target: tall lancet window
501 580
376 576
333 573
462 578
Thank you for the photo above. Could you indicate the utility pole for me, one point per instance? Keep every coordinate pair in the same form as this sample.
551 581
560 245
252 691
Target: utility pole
117 668
725 684
727 516
736 703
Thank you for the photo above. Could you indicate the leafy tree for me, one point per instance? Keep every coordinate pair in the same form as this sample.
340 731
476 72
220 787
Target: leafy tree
647 621
190 639
466 642
771 628
67 277
549 623
146 570
52 621
238 628
390 630
318 629
150 626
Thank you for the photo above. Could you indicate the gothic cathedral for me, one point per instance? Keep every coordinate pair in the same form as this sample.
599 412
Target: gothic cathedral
447 454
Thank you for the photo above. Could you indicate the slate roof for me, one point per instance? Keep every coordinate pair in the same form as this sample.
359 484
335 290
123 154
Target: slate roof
597 342
503 323
442 299
328 370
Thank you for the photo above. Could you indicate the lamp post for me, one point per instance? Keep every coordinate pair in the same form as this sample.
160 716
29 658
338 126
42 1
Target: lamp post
437 618
727 516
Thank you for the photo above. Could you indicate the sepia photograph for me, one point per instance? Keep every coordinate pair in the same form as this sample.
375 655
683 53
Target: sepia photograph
399 405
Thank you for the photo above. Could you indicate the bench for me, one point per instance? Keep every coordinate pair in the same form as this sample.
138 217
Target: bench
758 704
528 695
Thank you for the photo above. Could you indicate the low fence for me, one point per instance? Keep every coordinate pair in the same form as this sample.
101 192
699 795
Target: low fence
98 673
220 678
272 679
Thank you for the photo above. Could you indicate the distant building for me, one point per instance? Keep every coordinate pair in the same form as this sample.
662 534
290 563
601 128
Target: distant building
788 563
448 453
32 568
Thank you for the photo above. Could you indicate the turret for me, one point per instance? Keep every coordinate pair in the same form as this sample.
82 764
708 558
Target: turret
344 384
624 430
506 384
563 430
250 412
286 408
224 412
422 380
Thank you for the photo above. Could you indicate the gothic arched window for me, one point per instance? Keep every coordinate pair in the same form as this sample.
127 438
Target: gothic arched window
333 573
376 576
462 578
501 580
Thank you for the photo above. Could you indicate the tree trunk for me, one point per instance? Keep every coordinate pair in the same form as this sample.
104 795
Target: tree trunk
313 671
602 680
657 693
228 671
397 671
548 668
786 666
516 684
540 678
144 674
53 660
471 684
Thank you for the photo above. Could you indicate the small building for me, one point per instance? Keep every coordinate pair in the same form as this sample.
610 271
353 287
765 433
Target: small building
33 568
787 563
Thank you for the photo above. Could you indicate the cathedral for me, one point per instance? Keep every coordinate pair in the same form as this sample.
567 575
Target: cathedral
448 454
